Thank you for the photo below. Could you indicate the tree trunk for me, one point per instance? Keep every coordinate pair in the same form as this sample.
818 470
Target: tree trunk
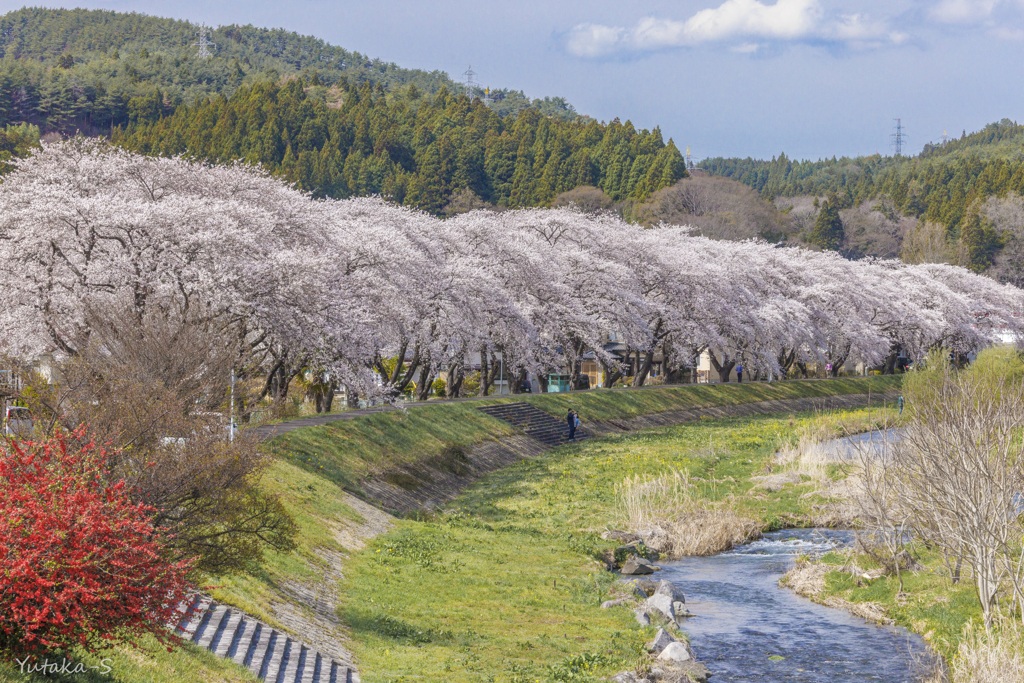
456 375
786 359
724 368
610 376
410 371
644 369
485 375
424 384
575 368
518 379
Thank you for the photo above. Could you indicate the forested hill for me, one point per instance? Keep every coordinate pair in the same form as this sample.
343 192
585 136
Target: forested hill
945 184
93 70
420 150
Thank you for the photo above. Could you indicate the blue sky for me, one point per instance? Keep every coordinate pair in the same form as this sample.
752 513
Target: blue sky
812 78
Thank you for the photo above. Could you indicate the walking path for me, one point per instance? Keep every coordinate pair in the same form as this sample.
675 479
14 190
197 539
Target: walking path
276 656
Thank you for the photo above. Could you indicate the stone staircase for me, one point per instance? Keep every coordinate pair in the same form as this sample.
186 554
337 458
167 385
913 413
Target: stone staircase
534 422
268 653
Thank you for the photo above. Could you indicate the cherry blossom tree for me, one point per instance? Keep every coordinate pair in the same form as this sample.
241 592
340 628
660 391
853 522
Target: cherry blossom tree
380 297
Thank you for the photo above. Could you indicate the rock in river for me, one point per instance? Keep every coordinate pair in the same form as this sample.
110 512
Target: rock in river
638 565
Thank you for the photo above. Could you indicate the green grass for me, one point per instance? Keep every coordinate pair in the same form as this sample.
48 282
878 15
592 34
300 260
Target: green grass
313 502
556 575
610 404
504 584
348 451
931 604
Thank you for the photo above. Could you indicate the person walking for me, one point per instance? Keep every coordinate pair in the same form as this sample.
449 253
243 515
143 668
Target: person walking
899 403
739 373
573 420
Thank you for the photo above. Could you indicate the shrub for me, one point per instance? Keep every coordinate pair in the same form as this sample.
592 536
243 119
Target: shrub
80 564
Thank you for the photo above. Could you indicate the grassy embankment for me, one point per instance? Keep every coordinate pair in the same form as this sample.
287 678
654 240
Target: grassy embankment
508 542
930 605
504 586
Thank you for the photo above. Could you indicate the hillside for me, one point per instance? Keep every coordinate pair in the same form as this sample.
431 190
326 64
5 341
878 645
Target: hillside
333 122
420 150
965 193
93 70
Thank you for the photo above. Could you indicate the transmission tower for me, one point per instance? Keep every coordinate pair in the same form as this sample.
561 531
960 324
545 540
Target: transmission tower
945 136
204 43
689 158
898 138
470 83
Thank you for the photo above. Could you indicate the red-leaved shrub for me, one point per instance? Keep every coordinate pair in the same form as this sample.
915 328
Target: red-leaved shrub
80 563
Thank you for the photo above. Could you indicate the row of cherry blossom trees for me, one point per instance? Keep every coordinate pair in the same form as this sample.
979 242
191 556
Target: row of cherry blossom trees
343 288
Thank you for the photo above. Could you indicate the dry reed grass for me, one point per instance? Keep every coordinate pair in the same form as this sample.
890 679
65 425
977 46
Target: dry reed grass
990 657
673 515
806 458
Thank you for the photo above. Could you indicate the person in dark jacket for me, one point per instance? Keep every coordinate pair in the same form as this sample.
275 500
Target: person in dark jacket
572 420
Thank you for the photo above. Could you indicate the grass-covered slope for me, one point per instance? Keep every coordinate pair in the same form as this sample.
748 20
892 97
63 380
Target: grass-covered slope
455 592
348 451
504 585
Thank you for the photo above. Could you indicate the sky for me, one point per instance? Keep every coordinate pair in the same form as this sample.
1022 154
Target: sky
810 78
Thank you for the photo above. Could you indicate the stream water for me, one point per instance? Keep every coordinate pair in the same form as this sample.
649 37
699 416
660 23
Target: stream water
748 628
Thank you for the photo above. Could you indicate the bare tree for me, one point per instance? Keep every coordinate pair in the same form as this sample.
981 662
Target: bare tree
155 388
884 519
958 469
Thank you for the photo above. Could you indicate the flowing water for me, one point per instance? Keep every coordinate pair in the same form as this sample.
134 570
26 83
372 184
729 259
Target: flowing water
748 628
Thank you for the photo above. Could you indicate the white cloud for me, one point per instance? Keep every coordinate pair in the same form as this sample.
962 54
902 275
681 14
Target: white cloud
962 11
593 40
786 20
747 22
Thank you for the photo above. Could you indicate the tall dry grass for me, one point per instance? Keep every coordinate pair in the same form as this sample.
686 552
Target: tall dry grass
806 458
996 656
673 515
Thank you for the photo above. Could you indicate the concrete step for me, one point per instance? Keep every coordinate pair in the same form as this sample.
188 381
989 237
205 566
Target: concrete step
226 637
289 662
261 650
244 642
275 655
198 612
210 626
271 655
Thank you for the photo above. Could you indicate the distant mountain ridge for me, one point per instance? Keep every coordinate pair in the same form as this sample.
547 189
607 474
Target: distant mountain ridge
966 194
94 70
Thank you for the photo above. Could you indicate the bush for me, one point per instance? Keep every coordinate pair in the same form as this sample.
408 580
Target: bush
439 387
80 564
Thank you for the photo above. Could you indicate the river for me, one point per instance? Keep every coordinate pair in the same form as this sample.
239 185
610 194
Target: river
748 628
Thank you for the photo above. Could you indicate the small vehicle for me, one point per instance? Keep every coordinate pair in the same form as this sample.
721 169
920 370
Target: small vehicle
18 422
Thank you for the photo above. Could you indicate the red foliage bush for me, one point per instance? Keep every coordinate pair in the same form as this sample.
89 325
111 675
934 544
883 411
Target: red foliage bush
80 563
